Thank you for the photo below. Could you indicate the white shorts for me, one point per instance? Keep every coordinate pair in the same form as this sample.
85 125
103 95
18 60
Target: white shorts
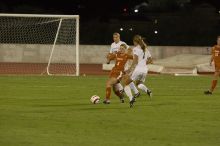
138 76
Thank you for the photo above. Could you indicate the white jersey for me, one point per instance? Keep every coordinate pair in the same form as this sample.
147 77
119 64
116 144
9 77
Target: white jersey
115 46
142 59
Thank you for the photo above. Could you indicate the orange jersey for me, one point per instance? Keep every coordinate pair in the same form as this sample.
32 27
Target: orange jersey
120 61
216 54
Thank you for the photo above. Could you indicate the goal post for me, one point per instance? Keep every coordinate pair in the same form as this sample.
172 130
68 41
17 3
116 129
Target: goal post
36 44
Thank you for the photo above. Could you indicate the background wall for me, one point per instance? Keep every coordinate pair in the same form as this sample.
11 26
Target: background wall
89 54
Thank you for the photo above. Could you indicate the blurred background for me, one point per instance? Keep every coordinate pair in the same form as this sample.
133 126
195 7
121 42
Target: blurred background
162 22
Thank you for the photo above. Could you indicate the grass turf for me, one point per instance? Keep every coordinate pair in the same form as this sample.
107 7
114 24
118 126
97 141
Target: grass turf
44 111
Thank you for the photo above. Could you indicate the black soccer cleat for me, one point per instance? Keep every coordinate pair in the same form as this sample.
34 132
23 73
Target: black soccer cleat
122 96
122 99
132 102
149 93
137 95
207 92
106 101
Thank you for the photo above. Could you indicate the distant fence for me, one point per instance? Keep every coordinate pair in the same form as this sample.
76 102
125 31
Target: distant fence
89 54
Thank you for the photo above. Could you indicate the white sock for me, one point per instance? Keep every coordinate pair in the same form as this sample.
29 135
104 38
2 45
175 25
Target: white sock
143 87
119 87
127 90
133 87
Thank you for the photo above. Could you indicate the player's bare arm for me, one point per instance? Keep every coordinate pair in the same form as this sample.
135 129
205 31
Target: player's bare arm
211 60
134 63
129 51
149 60
212 57
110 57
130 57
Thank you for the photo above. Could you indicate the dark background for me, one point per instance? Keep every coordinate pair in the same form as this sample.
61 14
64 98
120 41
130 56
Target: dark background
161 22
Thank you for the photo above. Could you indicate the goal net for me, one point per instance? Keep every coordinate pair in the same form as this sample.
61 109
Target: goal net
39 44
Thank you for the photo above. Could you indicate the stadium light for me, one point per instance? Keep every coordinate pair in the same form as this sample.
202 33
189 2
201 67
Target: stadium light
156 32
136 10
121 29
131 29
219 11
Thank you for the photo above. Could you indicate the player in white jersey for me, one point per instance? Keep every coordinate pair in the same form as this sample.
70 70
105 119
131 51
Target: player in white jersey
118 88
138 69
117 43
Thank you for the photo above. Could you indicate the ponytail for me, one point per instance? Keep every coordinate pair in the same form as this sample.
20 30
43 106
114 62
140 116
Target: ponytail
143 45
140 41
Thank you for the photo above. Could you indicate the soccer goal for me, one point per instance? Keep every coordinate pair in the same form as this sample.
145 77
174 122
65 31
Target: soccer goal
39 44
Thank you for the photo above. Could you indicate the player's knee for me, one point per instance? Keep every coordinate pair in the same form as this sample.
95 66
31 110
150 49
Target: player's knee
217 73
108 84
127 82
114 88
138 83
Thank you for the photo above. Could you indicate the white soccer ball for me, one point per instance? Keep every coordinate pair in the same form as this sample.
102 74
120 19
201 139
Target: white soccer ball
95 99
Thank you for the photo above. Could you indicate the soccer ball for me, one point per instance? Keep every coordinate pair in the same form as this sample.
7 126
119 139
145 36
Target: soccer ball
95 99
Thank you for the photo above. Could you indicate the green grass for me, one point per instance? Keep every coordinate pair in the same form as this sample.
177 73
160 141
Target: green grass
55 111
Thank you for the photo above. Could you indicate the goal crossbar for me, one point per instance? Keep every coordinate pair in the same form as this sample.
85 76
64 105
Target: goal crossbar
39 15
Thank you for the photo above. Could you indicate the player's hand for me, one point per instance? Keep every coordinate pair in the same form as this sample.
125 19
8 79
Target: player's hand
107 56
149 61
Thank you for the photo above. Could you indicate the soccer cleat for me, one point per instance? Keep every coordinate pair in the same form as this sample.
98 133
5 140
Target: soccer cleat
122 100
106 101
132 102
207 92
137 95
150 94
121 96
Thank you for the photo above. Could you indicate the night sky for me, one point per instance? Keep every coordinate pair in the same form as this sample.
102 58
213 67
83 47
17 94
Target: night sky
202 18
92 6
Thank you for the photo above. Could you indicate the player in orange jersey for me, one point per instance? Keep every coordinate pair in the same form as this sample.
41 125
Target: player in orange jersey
117 71
118 88
216 59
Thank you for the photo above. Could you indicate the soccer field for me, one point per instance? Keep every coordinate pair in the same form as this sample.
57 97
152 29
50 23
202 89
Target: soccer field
56 111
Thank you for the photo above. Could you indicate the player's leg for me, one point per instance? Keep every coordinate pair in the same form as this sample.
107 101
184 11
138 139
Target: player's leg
143 87
214 82
118 90
127 80
132 85
134 89
111 81
140 79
